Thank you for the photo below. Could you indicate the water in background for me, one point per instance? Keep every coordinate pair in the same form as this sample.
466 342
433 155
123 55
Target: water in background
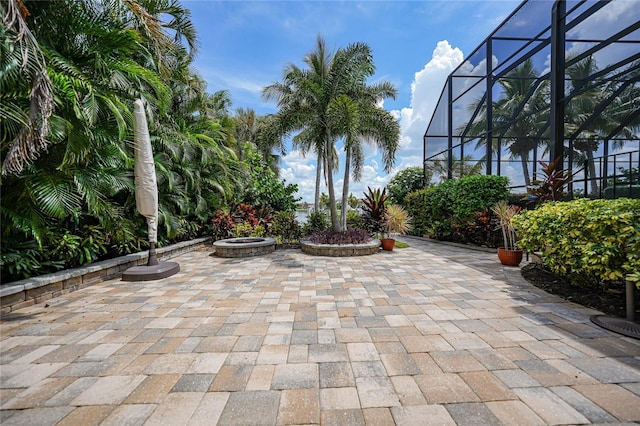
301 216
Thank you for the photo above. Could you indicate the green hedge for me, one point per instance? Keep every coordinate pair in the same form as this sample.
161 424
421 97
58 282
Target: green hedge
437 211
415 203
585 241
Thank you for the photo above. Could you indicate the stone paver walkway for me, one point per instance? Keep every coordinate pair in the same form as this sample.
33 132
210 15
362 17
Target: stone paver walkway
424 335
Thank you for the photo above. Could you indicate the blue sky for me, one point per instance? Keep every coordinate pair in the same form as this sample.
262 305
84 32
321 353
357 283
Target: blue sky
245 45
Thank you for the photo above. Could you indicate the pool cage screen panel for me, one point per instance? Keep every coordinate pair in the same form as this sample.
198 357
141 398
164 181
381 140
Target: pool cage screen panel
577 65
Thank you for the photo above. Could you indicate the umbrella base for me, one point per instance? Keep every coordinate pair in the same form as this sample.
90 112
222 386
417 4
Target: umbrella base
618 325
148 273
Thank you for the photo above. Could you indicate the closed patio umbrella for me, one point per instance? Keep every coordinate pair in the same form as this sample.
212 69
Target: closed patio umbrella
146 189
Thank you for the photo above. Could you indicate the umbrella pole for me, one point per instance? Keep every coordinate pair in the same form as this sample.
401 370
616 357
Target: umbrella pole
153 259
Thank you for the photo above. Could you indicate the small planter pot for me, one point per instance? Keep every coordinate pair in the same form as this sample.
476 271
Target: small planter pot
388 243
509 257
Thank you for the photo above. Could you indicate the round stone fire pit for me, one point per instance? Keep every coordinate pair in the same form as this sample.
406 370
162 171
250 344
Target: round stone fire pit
244 246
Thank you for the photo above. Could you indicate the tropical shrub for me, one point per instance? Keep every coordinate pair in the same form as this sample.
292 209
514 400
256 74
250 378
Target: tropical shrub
585 241
222 225
264 189
373 218
553 186
354 220
245 229
316 222
406 181
76 250
482 232
437 212
24 259
286 227
245 213
416 203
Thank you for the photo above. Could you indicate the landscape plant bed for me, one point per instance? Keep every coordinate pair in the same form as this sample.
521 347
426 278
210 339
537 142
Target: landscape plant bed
611 302
340 250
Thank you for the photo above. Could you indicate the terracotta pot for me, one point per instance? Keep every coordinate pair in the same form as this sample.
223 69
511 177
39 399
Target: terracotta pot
388 243
509 257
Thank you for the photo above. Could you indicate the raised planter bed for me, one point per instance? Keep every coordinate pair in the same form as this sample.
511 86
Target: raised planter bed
340 250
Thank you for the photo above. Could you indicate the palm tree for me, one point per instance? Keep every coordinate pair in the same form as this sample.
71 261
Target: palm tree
590 93
518 115
331 100
99 56
462 167
302 107
359 119
257 130
517 112
24 129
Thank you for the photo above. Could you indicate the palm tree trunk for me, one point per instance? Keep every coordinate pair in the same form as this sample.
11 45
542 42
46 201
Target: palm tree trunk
525 169
335 224
592 171
345 191
316 202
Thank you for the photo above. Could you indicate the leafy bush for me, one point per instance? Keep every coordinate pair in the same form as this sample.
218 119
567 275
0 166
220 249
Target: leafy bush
482 232
416 204
222 225
406 181
585 241
373 217
245 229
245 213
264 189
350 236
437 212
25 259
286 227
354 220
76 250
316 222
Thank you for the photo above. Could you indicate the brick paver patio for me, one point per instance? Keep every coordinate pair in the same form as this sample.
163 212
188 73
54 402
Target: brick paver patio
424 335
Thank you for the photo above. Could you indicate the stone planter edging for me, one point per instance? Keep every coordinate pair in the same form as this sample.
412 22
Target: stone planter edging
228 247
340 250
18 294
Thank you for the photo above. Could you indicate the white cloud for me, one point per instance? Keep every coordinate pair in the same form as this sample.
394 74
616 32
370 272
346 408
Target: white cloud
300 170
233 81
425 91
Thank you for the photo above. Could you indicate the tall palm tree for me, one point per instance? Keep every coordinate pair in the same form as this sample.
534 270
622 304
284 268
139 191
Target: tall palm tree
331 100
590 94
518 116
517 112
302 104
360 120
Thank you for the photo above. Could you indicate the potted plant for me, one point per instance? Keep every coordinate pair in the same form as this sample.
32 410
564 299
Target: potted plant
396 221
509 254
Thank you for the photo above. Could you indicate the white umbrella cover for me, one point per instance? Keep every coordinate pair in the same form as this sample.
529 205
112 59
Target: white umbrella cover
145 172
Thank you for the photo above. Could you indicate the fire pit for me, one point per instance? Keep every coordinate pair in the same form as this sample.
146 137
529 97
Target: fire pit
244 247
